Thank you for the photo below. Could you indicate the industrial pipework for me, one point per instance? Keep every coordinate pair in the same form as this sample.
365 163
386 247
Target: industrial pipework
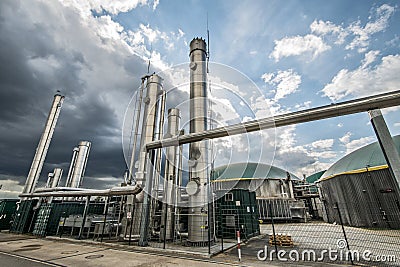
171 183
198 186
379 101
44 143
153 108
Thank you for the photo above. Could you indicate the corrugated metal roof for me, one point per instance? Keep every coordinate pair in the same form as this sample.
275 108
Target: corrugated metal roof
250 170
368 156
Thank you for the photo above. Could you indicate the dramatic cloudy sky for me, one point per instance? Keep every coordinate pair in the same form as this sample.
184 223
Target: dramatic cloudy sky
300 54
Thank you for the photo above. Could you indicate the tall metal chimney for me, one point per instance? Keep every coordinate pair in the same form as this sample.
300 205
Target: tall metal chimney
198 185
54 178
72 166
77 168
144 177
150 122
170 177
43 146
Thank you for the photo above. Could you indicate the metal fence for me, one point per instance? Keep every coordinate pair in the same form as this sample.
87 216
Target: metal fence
321 242
314 242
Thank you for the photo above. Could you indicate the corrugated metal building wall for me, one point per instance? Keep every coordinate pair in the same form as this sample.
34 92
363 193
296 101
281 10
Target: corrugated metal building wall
365 199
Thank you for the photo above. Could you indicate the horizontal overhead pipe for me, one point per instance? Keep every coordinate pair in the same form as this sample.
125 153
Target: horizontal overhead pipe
67 192
53 189
364 104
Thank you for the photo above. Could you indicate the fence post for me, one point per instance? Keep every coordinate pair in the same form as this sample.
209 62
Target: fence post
222 227
273 228
344 233
238 245
131 223
209 221
65 218
105 218
84 216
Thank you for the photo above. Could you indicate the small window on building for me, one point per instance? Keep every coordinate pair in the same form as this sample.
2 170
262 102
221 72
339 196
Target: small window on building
229 197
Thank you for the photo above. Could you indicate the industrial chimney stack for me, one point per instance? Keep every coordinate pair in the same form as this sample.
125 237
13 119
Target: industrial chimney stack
43 146
198 186
77 168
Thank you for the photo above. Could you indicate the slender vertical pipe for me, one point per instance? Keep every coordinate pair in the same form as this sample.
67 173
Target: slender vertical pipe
178 183
138 112
157 170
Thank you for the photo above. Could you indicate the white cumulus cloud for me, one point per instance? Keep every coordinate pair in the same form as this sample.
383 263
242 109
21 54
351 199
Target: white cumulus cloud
285 82
298 45
378 22
352 145
320 27
323 144
365 81
324 33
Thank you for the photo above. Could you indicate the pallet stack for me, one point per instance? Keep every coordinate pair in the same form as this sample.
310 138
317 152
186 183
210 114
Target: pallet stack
281 239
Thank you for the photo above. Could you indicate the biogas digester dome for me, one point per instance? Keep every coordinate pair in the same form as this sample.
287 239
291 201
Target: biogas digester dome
362 186
266 180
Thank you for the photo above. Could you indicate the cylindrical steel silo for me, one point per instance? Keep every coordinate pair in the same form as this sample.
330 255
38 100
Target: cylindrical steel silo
43 146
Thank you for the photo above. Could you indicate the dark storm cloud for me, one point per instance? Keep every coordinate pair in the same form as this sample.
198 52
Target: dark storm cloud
44 47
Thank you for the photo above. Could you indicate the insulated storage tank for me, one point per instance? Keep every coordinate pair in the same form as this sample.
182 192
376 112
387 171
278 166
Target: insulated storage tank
362 187
272 186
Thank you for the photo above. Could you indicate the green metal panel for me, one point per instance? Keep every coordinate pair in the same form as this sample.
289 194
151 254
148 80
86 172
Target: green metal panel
7 210
314 177
24 216
237 211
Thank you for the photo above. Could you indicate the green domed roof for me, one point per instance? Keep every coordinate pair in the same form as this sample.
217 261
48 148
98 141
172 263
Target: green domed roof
368 156
250 170
314 177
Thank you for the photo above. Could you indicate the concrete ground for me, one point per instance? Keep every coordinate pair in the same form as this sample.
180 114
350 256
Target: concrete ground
319 236
22 250
25 250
